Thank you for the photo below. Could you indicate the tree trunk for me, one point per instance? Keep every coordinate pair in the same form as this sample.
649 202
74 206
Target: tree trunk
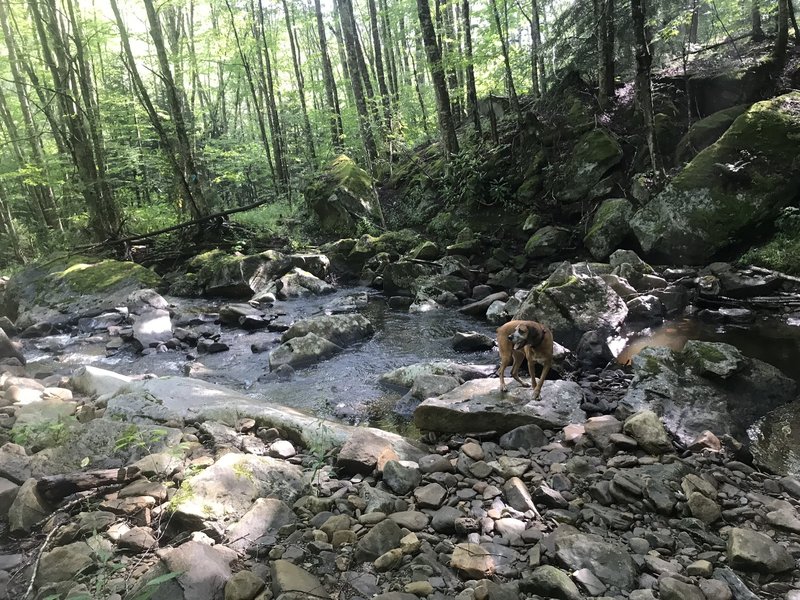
418 84
782 34
331 95
793 17
356 81
756 30
378 59
451 53
389 51
472 93
694 23
41 194
446 125
298 76
199 206
512 92
605 35
278 141
644 94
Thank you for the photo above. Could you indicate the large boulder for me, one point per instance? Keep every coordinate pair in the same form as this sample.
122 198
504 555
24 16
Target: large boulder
706 131
298 283
594 154
217 273
399 278
572 302
610 226
547 241
342 330
302 351
63 290
729 189
343 196
707 386
479 405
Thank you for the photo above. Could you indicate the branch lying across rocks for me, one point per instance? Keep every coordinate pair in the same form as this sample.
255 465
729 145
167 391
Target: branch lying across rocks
55 488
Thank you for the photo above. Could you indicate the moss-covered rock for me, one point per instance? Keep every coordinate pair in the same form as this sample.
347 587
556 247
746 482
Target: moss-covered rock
610 226
547 241
594 154
343 196
217 273
63 289
730 188
706 131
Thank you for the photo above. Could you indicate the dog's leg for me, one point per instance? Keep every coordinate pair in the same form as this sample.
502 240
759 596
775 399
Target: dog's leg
529 356
518 356
538 391
502 371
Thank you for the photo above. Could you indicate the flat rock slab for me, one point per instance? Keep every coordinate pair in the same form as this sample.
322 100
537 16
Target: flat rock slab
479 405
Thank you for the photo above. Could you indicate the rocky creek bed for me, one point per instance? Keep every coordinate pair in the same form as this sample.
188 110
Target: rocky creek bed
620 483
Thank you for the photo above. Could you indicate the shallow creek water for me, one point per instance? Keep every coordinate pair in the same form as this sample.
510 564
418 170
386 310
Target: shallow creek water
347 384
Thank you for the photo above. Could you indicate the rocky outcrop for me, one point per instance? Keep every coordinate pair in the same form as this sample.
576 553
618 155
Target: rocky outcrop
343 196
707 386
727 190
571 302
594 154
610 226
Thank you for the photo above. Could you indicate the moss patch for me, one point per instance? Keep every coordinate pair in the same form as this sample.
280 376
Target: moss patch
88 278
781 253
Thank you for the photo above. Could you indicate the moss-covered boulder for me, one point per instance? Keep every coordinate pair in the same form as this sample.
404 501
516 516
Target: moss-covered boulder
729 189
571 303
348 256
610 226
217 273
64 289
343 196
595 153
706 131
547 241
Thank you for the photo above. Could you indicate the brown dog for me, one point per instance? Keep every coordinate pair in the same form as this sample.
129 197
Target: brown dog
525 339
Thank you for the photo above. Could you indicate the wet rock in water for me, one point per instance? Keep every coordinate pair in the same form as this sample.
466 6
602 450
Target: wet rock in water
479 405
740 316
242 315
471 341
479 308
342 330
302 352
571 303
399 277
593 350
645 310
707 386
210 346
346 304
405 377
9 349
297 283
152 328
742 283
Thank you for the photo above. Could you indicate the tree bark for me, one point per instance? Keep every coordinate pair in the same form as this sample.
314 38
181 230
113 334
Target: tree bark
644 93
379 70
512 92
782 34
605 36
199 205
756 29
447 128
331 95
356 81
793 17
298 76
472 93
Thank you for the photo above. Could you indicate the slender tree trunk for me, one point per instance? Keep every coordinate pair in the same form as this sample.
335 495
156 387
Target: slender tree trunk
512 92
756 31
418 84
389 51
472 93
451 58
42 194
447 127
262 128
782 35
278 141
694 23
298 76
793 17
644 92
331 95
199 206
185 188
356 81
605 35
378 60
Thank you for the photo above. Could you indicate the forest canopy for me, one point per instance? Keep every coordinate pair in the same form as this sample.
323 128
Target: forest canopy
126 116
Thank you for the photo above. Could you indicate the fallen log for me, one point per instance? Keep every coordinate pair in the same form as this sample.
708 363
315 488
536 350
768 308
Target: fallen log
55 488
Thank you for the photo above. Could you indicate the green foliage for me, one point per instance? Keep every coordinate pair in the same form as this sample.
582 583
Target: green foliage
134 438
48 434
782 252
